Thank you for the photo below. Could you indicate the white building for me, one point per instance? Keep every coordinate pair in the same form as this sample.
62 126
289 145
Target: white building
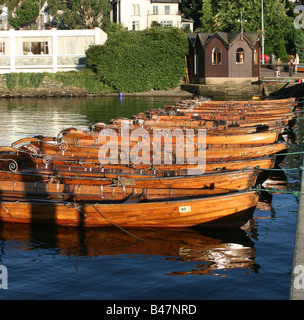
4 18
46 50
140 14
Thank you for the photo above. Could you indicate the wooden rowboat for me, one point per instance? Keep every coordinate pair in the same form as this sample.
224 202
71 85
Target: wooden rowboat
178 111
74 169
278 126
216 182
26 161
75 138
232 210
186 119
278 102
199 123
217 153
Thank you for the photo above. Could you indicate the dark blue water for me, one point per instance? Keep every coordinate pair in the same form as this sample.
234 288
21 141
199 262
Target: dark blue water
254 262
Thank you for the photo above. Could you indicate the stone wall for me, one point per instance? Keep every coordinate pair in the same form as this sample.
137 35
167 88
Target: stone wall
224 90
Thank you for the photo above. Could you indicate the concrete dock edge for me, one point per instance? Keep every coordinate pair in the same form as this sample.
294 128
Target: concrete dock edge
297 279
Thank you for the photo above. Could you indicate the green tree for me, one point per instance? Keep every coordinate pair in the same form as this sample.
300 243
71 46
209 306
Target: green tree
207 19
10 4
191 9
228 16
81 14
278 25
27 11
299 43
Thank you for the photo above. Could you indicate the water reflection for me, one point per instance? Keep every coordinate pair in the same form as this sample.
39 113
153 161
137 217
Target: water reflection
30 117
212 250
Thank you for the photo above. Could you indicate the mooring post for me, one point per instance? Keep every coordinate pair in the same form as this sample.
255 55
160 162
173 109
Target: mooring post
297 278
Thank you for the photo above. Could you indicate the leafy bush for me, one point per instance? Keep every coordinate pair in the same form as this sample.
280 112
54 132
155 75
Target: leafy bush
85 79
23 80
140 61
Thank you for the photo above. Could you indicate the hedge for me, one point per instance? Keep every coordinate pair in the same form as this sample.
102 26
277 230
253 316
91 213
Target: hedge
142 60
85 79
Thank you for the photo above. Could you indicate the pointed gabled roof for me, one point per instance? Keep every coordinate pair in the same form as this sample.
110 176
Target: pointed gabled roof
204 37
227 37
192 38
253 37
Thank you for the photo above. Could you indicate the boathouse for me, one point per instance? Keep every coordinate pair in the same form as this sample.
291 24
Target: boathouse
46 50
224 58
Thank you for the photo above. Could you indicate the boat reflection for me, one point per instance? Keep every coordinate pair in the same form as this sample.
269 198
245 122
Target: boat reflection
213 249
277 180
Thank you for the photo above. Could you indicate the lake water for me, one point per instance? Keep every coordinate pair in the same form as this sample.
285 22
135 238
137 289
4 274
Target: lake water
64 263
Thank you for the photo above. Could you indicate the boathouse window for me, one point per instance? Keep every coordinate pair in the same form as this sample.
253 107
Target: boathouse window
2 48
240 56
155 9
216 56
35 46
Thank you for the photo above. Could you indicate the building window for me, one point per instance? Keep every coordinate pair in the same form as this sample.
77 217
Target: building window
135 25
2 48
155 9
74 44
240 56
167 9
35 47
135 10
186 26
165 23
216 56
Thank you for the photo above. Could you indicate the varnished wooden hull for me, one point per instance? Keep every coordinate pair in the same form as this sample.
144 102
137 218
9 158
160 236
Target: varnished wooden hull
120 188
251 138
35 169
217 153
244 103
231 210
79 139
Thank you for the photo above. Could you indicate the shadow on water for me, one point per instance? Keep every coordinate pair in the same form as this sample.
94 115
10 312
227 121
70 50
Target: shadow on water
49 238
38 206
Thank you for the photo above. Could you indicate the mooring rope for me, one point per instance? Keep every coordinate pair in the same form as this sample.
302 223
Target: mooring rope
290 153
295 193
116 225
287 169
